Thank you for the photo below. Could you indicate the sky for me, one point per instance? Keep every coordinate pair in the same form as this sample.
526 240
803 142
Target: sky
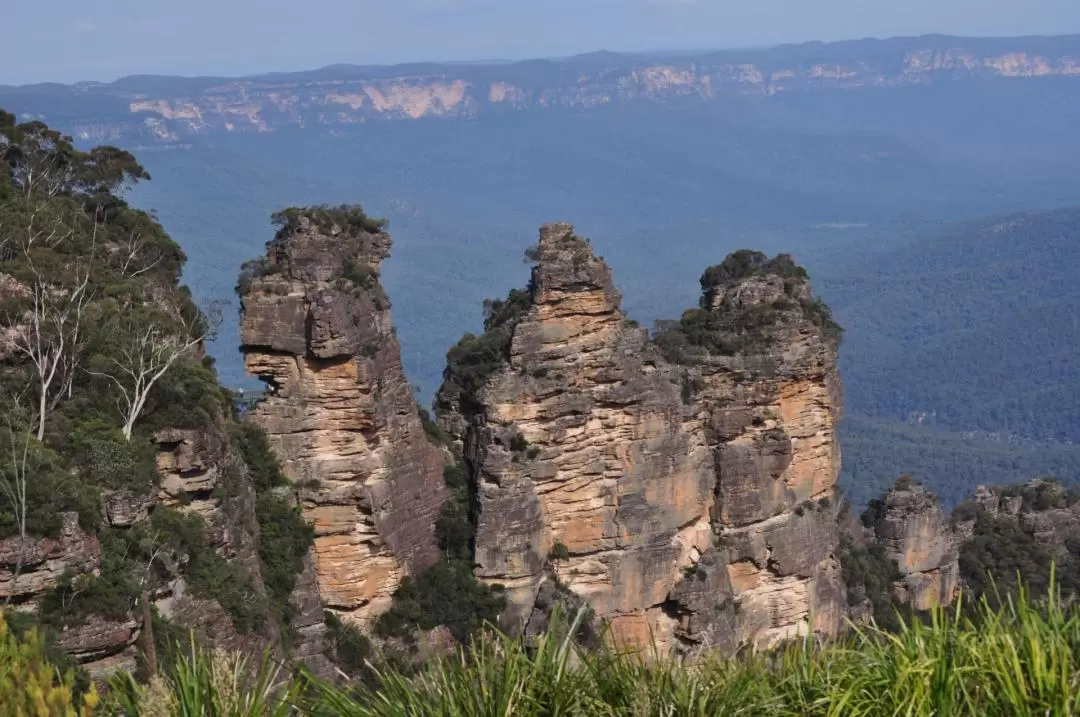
75 40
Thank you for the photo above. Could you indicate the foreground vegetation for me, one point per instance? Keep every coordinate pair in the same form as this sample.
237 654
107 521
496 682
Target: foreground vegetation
1020 659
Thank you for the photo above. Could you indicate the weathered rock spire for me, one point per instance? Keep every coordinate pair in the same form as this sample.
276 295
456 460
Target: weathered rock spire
341 415
689 480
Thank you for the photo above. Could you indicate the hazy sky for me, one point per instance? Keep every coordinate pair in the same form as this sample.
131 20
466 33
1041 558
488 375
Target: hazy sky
69 40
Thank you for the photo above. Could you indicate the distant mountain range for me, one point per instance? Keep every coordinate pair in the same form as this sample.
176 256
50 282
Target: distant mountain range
168 109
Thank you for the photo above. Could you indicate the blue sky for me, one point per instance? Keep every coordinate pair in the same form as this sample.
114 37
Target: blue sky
70 40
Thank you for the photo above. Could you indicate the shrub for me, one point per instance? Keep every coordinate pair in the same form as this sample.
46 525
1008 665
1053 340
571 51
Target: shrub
284 539
362 275
745 263
435 433
349 218
559 552
474 359
730 330
518 443
29 685
284 535
250 442
445 594
349 648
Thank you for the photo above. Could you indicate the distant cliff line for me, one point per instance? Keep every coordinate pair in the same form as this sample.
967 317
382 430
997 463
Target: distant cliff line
166 109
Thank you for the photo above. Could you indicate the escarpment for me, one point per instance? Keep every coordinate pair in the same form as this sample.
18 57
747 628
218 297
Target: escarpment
339 413
683 487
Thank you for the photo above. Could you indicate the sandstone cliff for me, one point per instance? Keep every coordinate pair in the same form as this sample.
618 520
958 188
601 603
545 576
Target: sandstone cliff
909 524
155 109
689 502
340 414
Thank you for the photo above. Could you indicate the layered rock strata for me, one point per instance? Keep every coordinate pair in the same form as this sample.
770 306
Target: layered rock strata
909 524
340 414
688 500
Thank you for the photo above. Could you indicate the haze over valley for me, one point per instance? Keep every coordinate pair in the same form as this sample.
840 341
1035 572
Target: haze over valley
663 382
874 162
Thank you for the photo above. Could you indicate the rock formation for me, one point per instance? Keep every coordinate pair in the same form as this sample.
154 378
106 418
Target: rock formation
690 499
916 535
1043 509
340 414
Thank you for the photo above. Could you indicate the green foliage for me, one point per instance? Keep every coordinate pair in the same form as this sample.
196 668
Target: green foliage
454 530
348 218
473 360
188 396
968 329
50 489
1001 552
284 535
350 649
445 594
953 463
127 560
518 443
1018 660
108 460
110 595
731 330
32 687
362 275
744 263
209 683
869 575
435 433
250 442
559 552
284 539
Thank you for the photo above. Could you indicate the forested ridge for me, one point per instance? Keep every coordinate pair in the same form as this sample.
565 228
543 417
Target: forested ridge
125 479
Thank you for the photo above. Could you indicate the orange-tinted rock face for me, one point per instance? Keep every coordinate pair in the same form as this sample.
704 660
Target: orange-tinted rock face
693 498
340 415
916 535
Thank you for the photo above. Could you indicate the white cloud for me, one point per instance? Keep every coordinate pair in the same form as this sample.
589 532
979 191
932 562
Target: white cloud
84 28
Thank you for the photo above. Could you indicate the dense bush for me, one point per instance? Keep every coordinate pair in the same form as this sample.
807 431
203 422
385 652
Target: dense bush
731 330
745 263
284 539
362 275
346 217
446 594
473 360
32 687
284 535
869 575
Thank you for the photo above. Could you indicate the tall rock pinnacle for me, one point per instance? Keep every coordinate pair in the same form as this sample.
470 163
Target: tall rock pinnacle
340 413
683 487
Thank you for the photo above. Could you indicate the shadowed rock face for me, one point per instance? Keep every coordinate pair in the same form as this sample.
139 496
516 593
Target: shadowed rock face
916 535
694 498
340 414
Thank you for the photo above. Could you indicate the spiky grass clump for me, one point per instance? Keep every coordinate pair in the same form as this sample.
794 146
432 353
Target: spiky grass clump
1021 660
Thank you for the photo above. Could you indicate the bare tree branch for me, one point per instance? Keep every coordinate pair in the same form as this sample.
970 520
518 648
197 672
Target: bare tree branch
146 353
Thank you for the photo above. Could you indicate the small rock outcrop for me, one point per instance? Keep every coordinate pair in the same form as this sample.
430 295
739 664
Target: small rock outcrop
909 524
687 481
340 414
29 566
